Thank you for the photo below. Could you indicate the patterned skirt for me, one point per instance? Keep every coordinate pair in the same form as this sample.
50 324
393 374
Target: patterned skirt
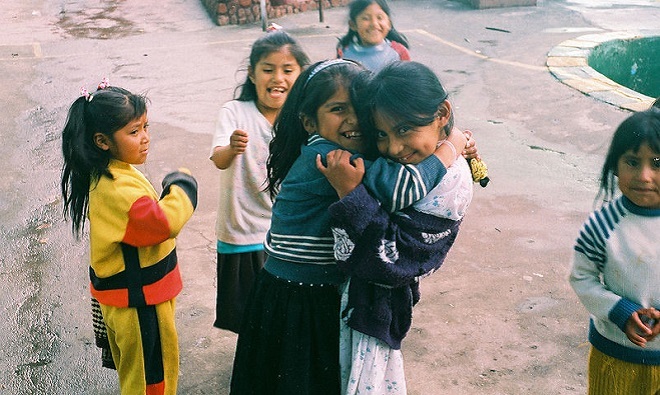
368 364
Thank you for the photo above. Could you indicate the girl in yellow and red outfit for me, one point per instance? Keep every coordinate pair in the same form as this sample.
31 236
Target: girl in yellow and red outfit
133 270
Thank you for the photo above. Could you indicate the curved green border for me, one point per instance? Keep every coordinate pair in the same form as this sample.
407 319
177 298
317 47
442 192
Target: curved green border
568 63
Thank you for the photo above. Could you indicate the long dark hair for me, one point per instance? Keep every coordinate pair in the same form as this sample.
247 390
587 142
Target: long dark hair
264 46
639 128
405 92
313 87
105 111
355 8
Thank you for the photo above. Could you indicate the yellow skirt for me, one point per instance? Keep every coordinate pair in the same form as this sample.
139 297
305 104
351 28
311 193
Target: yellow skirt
611 376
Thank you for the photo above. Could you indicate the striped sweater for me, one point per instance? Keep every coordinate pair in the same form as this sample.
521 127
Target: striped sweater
132 236
616 270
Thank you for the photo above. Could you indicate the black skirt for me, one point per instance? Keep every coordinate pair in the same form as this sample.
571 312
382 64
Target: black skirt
289 340
236 275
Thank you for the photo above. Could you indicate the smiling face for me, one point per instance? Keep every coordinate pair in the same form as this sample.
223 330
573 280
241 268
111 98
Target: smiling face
336 121
273 77
129 144
406 143
372 25
639 176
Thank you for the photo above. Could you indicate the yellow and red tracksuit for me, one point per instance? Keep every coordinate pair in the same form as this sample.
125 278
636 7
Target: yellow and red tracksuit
134 272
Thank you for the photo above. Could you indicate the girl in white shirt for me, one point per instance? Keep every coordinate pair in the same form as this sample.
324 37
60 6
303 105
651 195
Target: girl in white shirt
240 150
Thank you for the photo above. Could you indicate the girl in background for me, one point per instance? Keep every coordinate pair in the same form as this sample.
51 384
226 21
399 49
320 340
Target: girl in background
616 263
372 39
240 150
288 343
134 270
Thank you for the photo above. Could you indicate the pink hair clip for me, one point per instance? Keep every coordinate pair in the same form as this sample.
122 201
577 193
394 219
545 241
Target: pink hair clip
85 93
104 83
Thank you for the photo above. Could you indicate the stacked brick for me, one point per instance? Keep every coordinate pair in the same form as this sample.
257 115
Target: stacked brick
240 12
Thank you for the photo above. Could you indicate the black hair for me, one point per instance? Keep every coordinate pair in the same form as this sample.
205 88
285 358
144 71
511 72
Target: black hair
105 111
264 46
404 92
640 128
355 8
313 87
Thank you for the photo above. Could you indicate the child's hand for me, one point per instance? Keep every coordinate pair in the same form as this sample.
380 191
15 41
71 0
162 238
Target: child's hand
343 174
470 151
651 318
238 141
224 155
642 326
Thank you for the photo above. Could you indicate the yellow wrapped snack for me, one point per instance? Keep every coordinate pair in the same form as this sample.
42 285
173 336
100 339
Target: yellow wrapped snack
479 171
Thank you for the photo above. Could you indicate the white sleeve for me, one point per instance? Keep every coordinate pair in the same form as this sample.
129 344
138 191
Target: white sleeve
585 278
224 127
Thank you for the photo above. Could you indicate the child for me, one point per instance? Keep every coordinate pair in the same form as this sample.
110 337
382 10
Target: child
240 150
407 116
288 343
372 40
616 263
134 270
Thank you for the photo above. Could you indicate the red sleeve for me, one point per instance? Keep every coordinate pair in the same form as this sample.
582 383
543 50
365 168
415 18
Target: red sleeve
401 50
147 224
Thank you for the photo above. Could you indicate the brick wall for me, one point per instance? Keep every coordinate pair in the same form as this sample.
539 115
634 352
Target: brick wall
239 12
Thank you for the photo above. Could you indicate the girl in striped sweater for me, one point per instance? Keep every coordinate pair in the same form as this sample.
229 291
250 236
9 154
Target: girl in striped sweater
616 264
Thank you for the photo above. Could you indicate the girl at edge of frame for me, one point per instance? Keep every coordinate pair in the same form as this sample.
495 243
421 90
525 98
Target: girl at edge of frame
616 263
240 151
134 273
289 340
372 39
405 115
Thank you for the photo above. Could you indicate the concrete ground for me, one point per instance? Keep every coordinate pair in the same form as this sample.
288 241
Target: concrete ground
498 318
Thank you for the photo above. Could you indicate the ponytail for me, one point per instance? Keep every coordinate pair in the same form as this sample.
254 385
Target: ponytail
105 111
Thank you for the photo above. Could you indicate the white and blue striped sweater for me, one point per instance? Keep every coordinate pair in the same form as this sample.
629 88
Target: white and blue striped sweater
300 243
616 270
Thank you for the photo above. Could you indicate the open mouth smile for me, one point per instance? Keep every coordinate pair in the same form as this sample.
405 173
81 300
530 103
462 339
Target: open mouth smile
352 135
276 90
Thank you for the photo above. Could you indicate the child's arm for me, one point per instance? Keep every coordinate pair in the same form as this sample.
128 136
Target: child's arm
449 148
151 222
395 185
389 249
398 186
223 156
585 279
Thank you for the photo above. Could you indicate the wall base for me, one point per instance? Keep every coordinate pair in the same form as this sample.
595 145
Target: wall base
480 4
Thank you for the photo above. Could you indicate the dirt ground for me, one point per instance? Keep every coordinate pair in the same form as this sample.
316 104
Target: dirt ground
498 318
